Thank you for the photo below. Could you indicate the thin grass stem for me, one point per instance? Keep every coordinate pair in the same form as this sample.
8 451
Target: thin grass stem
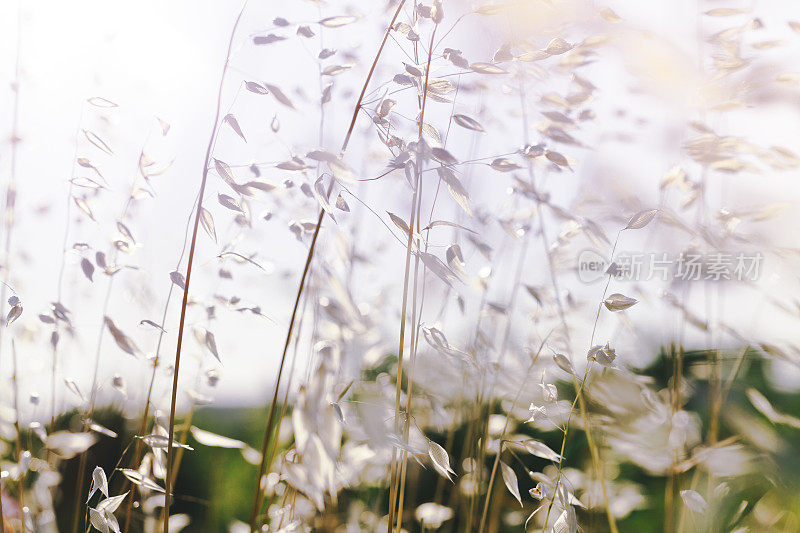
190 262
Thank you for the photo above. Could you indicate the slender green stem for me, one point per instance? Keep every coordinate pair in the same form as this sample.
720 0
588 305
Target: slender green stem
579 387
265 459
561 452
505 432
16 421
399 379
7 223
416 205
146 411
733 375
190 262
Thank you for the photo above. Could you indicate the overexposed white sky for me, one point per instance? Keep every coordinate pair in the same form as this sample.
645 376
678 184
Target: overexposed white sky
163 59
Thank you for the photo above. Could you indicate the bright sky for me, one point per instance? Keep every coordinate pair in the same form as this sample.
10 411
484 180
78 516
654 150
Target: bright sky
163 59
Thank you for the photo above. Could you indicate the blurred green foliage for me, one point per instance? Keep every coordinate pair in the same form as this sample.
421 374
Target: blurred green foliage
215 485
